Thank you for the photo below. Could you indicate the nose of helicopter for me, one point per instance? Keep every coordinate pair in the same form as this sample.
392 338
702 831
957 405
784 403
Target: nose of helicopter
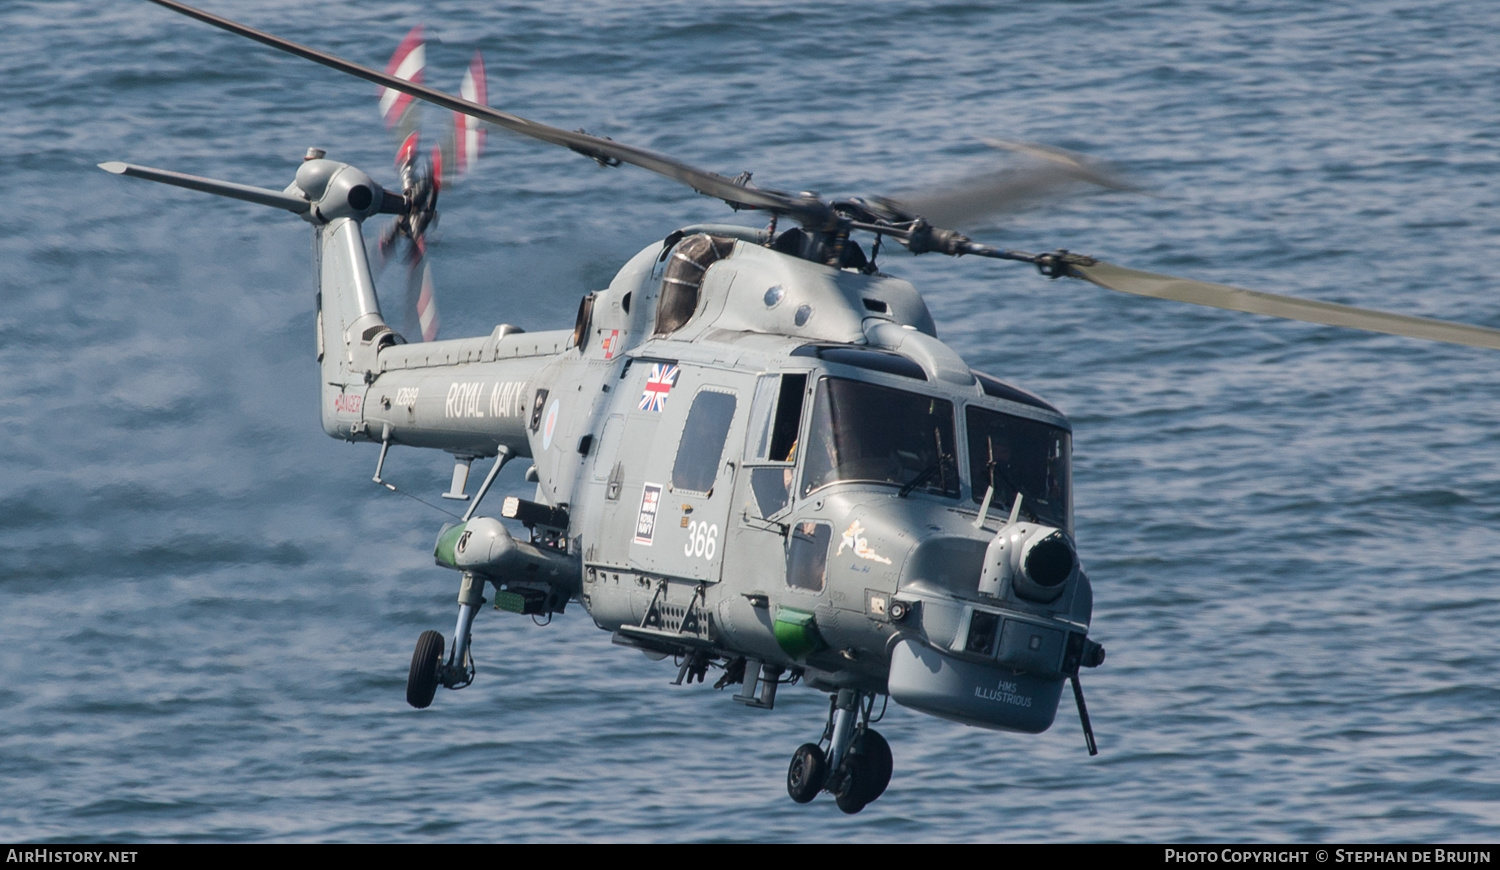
996 625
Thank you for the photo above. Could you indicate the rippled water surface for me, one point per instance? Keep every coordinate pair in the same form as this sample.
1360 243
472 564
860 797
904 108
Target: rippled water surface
208 609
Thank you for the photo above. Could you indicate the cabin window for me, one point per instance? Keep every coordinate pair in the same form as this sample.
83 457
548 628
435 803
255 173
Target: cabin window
807 555
703 437
867 432
684 278
1014 454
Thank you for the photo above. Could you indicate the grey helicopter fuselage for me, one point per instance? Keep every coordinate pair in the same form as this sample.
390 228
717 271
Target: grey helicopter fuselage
751 452
743 455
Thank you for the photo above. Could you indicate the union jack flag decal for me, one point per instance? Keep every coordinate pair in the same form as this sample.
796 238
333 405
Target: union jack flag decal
658 385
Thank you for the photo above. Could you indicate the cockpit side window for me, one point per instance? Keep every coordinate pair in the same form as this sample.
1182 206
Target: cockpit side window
1014 454
783 442
862 431
771 449
776 414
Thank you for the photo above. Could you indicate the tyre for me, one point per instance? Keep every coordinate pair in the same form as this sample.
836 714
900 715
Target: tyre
804 779
852 787
422 679
877 755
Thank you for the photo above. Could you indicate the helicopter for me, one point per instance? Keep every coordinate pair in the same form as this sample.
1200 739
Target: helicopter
738 397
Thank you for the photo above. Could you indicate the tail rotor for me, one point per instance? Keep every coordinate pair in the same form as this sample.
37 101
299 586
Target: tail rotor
423 177
419 188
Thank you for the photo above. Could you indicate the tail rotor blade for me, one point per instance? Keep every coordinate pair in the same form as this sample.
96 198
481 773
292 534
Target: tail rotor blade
1139 283
441 161
421 295
406 154
398 109
426 303
468 133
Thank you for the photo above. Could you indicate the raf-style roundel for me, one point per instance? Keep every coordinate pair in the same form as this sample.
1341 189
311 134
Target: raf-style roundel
658 385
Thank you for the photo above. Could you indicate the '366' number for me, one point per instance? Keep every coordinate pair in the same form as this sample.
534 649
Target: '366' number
703 540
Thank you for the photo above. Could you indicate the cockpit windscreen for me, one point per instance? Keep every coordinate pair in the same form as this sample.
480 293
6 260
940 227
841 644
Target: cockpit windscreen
1015 454
868 432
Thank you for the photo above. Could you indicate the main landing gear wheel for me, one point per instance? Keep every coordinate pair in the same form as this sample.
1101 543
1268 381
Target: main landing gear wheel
877 754
422 680
804 779
853 789
857 766
867 773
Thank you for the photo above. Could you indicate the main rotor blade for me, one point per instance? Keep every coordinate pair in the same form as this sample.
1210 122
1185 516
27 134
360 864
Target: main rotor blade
1079 166
968 200
804 208
1125 280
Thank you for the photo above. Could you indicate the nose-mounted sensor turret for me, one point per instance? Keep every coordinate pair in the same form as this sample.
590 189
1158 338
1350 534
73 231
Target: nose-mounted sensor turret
1030 560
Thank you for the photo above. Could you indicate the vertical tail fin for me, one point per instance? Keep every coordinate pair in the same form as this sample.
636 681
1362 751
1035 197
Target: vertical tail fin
351 328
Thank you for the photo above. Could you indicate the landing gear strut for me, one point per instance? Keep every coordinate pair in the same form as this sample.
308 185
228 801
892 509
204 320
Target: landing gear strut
459 670
857 765
428 670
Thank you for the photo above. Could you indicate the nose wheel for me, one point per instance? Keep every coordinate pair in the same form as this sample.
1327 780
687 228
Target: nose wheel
856 767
